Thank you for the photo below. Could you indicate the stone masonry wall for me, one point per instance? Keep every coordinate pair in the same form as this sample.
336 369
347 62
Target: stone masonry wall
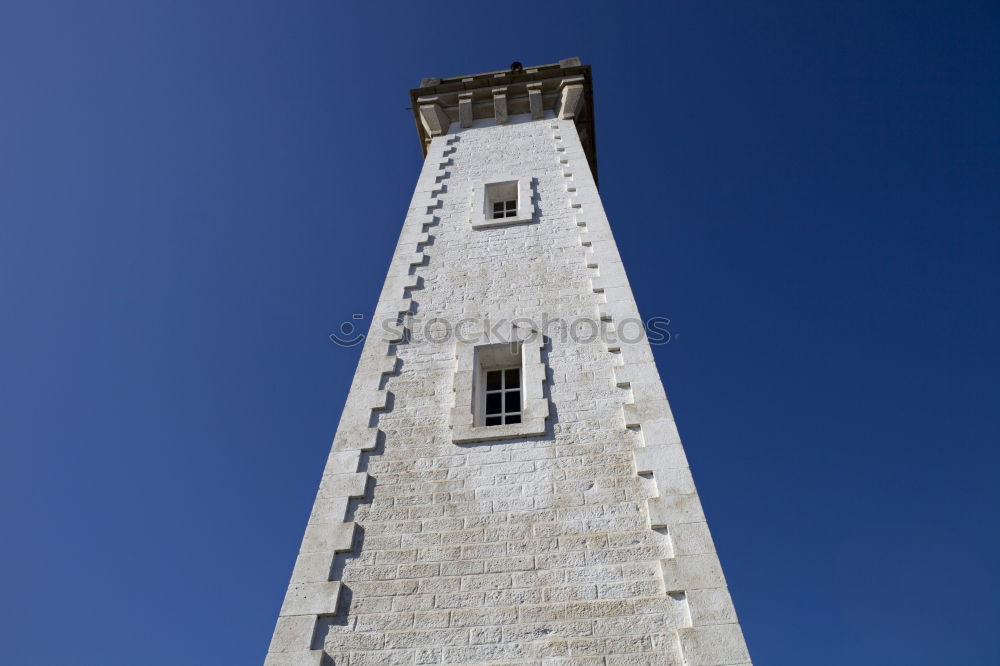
586 545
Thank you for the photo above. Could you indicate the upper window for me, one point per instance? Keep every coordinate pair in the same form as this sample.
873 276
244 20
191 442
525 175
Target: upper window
504 209
502 202
502 198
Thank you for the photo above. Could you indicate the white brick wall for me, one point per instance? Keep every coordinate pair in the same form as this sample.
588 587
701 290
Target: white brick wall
522 551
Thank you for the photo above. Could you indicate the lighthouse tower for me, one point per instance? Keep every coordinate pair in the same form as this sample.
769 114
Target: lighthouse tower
506 484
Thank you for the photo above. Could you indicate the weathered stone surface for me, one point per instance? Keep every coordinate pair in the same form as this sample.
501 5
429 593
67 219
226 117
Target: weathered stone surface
578 540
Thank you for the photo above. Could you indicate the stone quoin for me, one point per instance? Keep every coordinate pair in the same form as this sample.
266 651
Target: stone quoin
499 490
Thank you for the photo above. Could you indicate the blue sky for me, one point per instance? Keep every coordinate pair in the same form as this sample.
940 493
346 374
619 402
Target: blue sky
193 195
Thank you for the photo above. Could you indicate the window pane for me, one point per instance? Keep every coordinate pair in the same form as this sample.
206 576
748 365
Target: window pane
514 418
512 378
498 206
511 213
512 401
498 215
493 380
495 420
512 205
493 403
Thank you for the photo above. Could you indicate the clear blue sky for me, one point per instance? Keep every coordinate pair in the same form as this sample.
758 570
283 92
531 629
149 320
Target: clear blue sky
193 195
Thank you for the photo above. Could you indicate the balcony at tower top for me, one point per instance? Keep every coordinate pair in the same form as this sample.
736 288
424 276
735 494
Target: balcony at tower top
562 89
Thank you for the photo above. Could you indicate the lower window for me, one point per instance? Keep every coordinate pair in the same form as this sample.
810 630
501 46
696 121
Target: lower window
499 387
503 397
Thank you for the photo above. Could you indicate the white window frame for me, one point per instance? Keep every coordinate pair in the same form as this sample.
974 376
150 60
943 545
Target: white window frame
468 415
481 216
500 358
507 208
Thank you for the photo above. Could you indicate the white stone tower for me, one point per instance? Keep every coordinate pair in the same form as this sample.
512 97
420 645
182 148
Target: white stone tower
507 484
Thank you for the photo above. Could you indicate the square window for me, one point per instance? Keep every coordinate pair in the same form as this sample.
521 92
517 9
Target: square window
502 199
504 209
505 201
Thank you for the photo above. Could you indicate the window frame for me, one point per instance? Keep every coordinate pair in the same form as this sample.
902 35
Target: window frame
497 190
503 209
475 360
505 391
